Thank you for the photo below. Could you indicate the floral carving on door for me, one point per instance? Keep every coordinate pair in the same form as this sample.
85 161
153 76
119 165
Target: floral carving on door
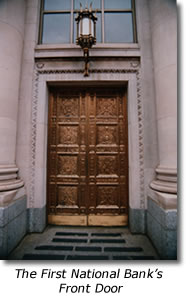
67 196
107 165
68 135
107 195
67 165
69 107
107 107
107 134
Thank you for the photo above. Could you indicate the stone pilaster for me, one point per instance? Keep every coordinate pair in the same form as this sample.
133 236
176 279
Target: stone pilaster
12 193
162 198
12 15
164 45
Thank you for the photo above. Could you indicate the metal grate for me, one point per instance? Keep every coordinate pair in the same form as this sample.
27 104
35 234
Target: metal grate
54 248
43 257
95 245
123 249
71 234
86 257
108 241
90 249
69 240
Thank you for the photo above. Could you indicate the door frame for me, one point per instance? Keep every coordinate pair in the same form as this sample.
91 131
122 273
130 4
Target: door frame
38 154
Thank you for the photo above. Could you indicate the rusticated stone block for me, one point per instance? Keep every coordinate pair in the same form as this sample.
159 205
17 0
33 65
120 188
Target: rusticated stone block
12 225
162 230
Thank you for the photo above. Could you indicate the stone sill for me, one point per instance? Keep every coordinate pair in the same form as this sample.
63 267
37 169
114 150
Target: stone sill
100 50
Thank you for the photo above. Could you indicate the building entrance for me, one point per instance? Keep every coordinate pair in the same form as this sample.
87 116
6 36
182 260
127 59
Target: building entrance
87 179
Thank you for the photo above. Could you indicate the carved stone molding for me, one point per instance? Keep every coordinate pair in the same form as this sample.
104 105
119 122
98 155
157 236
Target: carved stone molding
33 138
166 180
40 70
9 185
81 71
9 178
141 139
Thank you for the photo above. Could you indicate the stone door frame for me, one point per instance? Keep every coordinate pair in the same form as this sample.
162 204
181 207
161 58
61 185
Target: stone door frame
46 75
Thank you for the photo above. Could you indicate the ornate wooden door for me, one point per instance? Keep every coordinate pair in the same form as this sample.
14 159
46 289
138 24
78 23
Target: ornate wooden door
87 157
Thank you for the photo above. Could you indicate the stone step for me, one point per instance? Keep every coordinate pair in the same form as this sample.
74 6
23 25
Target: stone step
63 243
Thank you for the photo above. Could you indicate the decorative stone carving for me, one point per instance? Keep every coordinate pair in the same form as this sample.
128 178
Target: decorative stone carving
40 65
33 138
134 64
80 71
141 139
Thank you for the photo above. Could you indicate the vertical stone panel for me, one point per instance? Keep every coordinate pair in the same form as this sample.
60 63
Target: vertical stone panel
162 207
164 46
12 17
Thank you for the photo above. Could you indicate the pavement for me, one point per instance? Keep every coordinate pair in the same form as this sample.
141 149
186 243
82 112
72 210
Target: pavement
84 243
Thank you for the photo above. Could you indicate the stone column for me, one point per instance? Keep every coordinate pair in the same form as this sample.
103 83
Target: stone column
162 204
11 35
164 45
12 193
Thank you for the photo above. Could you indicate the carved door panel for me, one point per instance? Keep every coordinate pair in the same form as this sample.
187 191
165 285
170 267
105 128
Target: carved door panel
67 181
87 157
107 157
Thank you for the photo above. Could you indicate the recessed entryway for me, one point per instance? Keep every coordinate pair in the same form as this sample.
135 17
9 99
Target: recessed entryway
87 156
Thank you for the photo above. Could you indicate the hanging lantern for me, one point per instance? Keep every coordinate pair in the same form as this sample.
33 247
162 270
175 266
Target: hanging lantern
86 32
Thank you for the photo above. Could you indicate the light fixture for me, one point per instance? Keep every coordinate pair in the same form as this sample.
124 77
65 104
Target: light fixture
86 32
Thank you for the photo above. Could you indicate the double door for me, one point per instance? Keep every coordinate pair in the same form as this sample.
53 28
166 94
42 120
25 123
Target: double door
87 180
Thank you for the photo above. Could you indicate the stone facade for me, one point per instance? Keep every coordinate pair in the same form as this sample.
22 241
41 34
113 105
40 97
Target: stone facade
147 68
